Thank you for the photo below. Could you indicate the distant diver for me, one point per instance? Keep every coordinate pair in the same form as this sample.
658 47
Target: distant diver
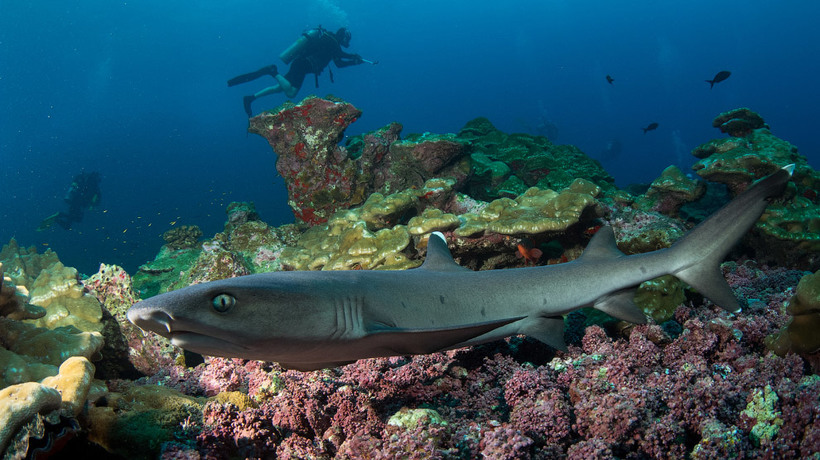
650 127
609 79
722 75
84 193
311 53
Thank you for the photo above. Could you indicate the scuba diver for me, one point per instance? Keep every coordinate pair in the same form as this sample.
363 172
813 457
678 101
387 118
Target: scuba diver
311 53
84 193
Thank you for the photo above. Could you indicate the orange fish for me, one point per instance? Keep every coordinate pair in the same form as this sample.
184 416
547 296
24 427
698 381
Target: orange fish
529 253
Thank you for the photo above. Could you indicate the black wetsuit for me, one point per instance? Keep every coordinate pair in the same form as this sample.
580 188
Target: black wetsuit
83 194
316 56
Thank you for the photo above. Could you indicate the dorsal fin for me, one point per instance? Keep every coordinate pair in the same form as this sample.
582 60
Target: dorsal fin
602 246
438 255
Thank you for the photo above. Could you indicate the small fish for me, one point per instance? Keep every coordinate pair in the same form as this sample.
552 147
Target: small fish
650 127
722 75
528 252
609 79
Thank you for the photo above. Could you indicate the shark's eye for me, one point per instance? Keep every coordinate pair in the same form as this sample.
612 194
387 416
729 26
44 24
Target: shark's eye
223 302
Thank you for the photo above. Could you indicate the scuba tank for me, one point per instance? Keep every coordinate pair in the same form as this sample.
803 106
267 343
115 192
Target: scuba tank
300 44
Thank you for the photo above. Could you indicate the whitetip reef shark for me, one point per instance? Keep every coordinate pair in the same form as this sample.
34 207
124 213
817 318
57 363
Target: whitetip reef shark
308 320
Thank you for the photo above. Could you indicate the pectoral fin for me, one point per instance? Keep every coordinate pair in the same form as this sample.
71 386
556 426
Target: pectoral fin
396 341
621 305
549 330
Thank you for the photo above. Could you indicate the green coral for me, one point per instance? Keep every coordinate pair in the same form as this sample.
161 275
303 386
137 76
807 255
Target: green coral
800 335
762 408
660 297
158 276
138 421
410 419
670 191
507 164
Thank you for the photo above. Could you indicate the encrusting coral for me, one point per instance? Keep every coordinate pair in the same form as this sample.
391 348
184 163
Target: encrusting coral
365 237
670 191
801 334
535 211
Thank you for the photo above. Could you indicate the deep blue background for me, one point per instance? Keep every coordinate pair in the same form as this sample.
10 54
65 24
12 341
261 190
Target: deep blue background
136 90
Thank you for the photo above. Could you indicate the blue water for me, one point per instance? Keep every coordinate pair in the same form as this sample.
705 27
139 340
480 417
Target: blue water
136 90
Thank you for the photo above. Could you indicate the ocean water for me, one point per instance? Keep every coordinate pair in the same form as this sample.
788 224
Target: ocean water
136 90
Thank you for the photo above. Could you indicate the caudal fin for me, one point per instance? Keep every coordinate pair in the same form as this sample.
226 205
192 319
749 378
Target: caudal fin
705 246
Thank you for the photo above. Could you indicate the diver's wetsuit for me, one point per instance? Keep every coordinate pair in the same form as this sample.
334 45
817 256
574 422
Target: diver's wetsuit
83 194
317 56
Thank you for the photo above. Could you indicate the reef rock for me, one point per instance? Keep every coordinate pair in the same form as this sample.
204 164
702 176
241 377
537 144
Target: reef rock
670 191
323 177
789 230
506 165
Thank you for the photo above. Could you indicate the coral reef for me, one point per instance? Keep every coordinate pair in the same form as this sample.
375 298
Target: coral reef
320 176
670 191
790 229
182 237
506 165
739 122
800 335
14 305
535 211
694 383
323 177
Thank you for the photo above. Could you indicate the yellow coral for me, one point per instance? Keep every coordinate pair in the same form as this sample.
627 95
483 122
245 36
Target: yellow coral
56 288
19 403
46 345
73 383
431 220
800 335
535 211
365 237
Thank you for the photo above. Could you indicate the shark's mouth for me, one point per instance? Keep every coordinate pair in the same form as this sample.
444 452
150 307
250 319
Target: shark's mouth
206 345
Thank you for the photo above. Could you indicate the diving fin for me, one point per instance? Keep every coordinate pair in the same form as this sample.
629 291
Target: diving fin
246 77
48 222
246 102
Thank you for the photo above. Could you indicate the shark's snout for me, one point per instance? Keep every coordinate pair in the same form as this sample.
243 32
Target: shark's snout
150 319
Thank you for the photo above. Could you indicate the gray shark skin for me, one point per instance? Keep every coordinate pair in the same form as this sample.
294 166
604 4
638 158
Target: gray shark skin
319 319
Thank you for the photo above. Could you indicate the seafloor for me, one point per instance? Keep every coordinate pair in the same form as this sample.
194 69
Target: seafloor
695 382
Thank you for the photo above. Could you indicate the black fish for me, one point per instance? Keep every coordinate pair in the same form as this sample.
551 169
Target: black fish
722 75
609 79
651 127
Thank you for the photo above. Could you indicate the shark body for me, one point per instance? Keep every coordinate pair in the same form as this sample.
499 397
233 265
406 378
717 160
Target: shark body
319 319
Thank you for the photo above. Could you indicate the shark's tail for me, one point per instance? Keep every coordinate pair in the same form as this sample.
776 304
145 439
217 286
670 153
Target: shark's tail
706 245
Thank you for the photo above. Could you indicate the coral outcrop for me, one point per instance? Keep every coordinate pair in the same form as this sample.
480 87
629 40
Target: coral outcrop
506 165
800 335
323 177
791 228
670 191
182 237
535 211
